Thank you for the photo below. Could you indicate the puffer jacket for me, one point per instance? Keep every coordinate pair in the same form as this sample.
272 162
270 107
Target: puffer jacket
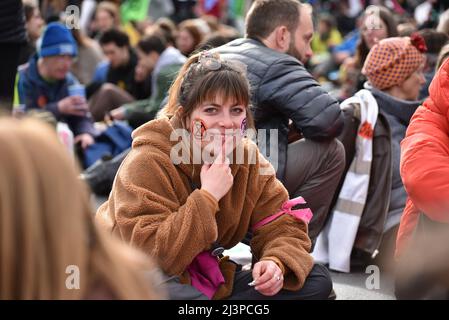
282 89
425 160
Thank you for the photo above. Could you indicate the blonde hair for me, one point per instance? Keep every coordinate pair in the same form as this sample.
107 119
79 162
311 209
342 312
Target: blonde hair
112 8
46 225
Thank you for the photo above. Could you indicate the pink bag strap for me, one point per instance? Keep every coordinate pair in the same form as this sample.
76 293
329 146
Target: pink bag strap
300 214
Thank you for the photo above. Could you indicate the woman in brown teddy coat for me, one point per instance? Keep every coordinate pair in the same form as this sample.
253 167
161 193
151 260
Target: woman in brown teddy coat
194 184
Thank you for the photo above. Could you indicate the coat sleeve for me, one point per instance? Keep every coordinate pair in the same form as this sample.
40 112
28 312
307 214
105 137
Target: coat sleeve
348 135
149 215
288 87
29 95
425 163
284 238
79 124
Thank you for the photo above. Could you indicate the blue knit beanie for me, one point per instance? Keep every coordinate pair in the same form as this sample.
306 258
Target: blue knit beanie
57 40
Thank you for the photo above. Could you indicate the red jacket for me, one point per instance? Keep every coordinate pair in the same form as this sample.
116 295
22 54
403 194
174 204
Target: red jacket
425 159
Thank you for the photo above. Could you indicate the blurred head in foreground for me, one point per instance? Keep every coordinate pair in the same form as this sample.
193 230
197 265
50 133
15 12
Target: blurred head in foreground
49 245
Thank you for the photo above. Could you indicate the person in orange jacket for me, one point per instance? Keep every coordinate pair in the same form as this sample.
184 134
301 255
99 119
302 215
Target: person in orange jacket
425 174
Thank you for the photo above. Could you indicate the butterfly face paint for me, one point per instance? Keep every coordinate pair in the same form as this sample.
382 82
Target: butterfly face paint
198 129
243 127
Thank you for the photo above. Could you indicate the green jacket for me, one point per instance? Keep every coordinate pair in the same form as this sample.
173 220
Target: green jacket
164 80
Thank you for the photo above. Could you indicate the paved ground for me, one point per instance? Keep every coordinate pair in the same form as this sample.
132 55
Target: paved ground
347 286
350 286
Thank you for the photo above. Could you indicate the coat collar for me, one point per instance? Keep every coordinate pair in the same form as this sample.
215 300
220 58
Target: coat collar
403 110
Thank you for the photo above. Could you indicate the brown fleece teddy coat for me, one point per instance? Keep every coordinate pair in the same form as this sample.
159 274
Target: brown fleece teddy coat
152 206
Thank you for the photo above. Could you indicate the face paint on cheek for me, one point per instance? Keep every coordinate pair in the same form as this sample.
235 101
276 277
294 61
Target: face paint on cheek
243 127
198 129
